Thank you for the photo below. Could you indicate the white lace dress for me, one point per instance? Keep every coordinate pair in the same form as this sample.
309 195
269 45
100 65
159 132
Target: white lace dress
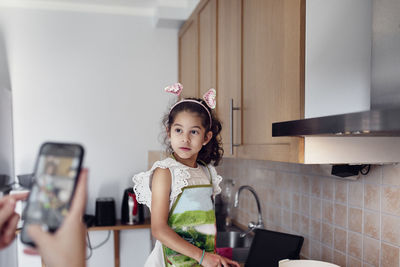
182 176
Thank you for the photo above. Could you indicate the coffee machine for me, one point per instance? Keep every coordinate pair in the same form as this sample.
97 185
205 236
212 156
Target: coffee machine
131 210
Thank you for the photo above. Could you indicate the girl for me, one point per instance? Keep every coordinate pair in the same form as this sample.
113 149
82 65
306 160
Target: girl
180 189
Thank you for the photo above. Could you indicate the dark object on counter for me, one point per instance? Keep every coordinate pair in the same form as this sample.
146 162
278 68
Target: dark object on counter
26 180
269 247
89 220
131 210
105 211
5 188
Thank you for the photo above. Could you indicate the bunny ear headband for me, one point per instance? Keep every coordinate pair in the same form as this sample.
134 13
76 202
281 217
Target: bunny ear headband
209 97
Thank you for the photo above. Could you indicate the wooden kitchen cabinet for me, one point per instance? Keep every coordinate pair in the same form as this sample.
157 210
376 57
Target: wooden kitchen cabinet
207 18
188 58
273 71
198 50
229 87
253 52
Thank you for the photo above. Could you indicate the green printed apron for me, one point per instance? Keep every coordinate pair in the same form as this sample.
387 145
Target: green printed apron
193 218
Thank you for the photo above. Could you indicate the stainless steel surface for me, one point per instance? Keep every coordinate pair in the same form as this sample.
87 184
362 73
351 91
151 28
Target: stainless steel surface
130 209
251 225
240 245
382 119
231 109
232 239
385 65
383 122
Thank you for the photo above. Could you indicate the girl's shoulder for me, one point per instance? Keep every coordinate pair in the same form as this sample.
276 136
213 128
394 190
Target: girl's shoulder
166 163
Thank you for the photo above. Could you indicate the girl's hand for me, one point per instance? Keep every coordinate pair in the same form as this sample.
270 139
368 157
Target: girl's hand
215 260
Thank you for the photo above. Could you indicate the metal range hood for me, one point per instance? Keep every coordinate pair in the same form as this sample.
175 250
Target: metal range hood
379 122
381 78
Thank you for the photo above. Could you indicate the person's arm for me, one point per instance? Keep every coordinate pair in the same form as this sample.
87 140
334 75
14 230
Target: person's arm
66 247
161 186
9 218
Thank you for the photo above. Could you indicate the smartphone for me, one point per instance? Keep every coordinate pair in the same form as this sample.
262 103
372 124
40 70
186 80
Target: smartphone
56 174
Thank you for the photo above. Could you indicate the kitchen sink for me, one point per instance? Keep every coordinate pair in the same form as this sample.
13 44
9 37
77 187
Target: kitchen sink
240 245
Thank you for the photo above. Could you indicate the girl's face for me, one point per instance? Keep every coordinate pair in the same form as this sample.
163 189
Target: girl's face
187 136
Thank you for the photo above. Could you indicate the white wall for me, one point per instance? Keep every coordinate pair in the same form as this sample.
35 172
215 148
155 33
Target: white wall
96 79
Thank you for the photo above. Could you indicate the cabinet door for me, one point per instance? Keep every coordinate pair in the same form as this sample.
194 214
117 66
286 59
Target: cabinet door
188 58
273 71
229 72
207 18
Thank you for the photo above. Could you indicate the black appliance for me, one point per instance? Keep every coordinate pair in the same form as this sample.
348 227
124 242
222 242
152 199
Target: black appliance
131 211
105 211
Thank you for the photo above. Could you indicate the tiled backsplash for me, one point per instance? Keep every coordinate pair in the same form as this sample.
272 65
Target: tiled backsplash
350 223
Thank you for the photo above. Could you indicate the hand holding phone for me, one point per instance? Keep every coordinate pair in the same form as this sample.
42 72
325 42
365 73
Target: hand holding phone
56 174
67 247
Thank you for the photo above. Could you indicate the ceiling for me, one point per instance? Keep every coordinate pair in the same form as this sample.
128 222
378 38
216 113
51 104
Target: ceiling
161 10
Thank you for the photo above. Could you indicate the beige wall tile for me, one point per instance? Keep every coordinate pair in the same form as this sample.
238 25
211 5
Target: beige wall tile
372 224
316 186
391 229
327 234
327 211
371 248
391 174
316 208
326 253
374 176
340 239
341 191
286 220
356 193
391 200
328 187
305 185
315 250
286 196
355 219
296 202
389 256
352 262
315 229
371 197
354 247
304 225
305 248
305 204
340 215
339 258
296 222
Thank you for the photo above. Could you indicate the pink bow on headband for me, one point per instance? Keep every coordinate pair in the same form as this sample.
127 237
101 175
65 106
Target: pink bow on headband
210 97
175 88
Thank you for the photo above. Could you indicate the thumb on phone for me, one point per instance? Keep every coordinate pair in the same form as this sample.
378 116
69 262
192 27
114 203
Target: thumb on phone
39 236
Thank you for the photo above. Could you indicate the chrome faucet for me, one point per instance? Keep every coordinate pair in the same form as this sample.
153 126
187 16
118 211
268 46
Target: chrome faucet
251 225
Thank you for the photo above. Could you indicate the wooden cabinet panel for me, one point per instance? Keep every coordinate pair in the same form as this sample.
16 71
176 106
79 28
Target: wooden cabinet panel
229 70
251 51
188 59
207 18
272 77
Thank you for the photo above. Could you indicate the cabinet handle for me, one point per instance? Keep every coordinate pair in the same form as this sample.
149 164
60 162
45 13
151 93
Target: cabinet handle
232 108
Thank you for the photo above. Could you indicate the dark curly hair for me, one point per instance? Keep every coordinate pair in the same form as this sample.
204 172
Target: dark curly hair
212 152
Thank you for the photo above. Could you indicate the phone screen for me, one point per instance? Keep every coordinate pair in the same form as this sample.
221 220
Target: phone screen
56 173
